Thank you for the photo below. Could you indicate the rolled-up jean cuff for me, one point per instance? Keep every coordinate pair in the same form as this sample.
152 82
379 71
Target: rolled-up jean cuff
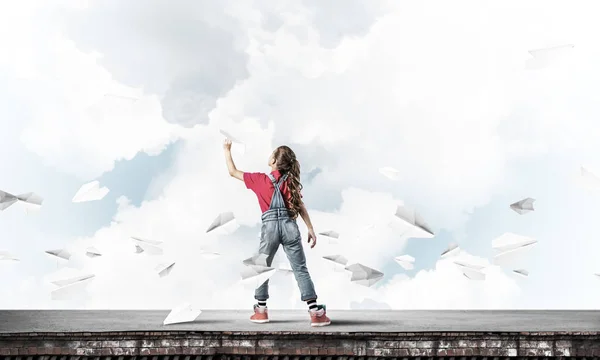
306 298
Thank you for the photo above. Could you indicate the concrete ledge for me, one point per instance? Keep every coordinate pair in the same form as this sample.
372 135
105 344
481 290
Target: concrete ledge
242 345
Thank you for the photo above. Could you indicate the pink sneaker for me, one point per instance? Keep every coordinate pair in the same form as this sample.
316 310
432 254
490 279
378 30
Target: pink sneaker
319 317
260 316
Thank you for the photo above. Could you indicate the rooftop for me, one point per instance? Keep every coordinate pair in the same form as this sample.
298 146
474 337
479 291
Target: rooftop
346 321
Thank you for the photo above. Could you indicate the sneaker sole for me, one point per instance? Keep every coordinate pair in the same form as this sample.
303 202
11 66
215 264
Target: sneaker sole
320 324
260 321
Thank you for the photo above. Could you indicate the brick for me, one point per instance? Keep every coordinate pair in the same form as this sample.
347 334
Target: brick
110 344
128 343
564 343
421 352
425 344
147 343
382 352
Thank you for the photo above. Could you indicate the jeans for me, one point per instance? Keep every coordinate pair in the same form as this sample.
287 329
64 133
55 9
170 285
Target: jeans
279 228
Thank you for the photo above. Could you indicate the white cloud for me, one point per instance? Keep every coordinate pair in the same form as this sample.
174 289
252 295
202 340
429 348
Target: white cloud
440 95
72 125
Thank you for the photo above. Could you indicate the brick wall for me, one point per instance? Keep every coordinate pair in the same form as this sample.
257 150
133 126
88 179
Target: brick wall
295 346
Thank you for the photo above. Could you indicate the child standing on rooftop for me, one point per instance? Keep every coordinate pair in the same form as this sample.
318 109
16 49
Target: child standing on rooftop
281 202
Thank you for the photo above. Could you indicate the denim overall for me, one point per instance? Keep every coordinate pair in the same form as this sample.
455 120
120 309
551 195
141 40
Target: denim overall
279 228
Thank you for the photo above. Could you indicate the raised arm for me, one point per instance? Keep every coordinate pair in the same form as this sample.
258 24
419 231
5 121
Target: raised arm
233 171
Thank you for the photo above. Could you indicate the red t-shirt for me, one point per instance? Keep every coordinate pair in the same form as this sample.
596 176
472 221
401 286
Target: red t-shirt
263 188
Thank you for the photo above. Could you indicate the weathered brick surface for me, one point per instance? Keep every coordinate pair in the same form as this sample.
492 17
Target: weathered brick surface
293 346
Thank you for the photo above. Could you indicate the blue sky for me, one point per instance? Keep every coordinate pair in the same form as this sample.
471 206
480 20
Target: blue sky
458 112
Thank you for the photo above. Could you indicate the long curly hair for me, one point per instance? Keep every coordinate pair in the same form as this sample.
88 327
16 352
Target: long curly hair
286 162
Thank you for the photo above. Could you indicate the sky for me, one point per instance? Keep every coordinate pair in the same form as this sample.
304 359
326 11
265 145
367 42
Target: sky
447 93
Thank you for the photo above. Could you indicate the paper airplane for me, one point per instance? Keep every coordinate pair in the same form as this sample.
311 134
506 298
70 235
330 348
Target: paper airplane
257 259
419 228
364 275
339 262
542 58
331 234
90 192
471 271
256 274
60 253
92 252
523 206
164 269
132 99
209 255
238 145
406 261
182 314
509 241
452 250
72 290
221 220
72 280
31 200
512 255
472 274
5 255
589 179
521 272
149 246
390 173
285 269
463 264
338 259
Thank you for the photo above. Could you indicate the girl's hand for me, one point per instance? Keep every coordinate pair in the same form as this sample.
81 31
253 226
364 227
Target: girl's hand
312 238
227 145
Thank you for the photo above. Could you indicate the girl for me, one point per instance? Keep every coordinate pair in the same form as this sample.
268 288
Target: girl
281 202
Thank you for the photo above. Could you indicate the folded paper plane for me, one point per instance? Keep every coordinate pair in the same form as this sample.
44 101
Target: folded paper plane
406 261
472 274
509 241
209 255
256 275
92 252
257 259
338 259
150 247
90 192
60 253
331 234
521 272
71 290
589 179
390 173
523 206
72 280
364 275
512 255
5 255
452 250
419 229
338 262
164 269
238 145
30 200
182 314
542 58
221 220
